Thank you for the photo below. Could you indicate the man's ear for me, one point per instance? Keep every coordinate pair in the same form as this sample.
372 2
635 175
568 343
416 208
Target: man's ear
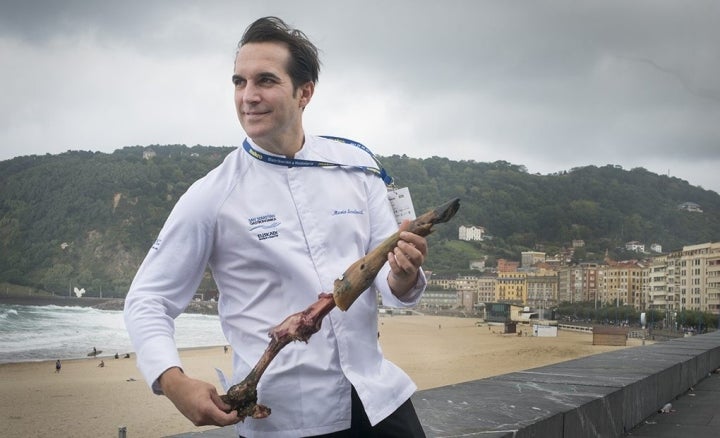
306 93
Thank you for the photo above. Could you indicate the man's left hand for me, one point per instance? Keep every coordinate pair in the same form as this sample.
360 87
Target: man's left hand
405 260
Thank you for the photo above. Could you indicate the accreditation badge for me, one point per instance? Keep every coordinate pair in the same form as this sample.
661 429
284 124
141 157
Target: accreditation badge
401 204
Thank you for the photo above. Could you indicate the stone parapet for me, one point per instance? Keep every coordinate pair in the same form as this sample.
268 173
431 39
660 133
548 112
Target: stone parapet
604 395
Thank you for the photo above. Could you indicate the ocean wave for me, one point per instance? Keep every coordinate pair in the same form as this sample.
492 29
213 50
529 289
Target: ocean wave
9 313
35 333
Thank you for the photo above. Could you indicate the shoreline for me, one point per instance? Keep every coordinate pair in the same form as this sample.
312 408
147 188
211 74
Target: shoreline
103 356
117 304
50 300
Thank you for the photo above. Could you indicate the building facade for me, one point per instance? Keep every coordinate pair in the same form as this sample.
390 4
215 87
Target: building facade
623 284
697 277
530 258
471 232
579 282
542 289
511 287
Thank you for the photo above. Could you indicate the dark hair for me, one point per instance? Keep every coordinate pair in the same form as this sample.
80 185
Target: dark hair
304 64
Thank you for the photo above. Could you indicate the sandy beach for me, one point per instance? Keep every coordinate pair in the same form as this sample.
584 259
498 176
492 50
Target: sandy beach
85 400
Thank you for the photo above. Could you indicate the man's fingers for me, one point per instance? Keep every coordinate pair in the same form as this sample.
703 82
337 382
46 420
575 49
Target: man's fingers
223 417
215 397
414 240
411 253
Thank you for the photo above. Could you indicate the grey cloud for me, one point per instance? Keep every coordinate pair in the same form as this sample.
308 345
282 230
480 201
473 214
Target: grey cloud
547 84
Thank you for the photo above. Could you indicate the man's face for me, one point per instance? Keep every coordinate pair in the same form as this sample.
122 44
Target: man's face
269 109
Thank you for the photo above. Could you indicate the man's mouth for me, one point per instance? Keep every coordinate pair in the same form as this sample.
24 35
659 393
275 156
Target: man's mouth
255 113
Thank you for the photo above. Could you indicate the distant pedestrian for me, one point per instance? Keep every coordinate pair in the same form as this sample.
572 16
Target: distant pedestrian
58 366
101 364
226 349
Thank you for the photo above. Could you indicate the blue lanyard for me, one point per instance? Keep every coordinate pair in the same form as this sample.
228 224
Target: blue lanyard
295 162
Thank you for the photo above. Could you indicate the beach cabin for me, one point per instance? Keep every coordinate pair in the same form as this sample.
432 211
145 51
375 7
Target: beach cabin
609 335
502 312
545 331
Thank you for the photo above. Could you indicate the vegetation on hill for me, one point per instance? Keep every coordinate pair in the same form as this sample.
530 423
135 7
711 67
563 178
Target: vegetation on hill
87 219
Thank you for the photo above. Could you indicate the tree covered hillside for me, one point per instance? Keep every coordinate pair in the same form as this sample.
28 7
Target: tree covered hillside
83 218
604 206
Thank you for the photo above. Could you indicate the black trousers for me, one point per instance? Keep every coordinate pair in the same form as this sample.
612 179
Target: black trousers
403 423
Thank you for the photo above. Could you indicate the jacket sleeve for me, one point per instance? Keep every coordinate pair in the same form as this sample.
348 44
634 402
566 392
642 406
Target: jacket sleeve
164 285
383 224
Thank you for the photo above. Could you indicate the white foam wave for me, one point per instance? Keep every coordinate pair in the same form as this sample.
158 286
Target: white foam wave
8 313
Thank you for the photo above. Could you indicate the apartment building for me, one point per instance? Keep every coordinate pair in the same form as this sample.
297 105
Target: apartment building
658 294
511 287
469 291
579 283
622 284
542 289
697 277
439 299
486 289
529 258
507 265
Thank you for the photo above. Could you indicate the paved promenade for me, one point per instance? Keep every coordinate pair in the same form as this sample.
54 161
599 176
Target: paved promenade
695 414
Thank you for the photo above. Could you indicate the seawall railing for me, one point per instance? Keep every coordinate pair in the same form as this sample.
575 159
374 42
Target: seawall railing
604 395
576 328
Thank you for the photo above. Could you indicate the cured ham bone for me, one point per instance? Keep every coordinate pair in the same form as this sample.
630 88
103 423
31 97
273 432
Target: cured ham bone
346 289
360 275
296 327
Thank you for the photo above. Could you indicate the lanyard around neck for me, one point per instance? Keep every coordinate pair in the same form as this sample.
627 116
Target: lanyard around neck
296 162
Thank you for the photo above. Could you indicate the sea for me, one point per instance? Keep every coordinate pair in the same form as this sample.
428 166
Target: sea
39 333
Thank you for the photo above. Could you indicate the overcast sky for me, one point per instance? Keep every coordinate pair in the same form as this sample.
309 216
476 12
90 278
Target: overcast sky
550 85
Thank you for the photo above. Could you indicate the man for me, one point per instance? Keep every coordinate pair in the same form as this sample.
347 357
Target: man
277 222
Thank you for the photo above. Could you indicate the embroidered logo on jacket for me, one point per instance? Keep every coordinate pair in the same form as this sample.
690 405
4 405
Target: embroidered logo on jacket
262 223
338 212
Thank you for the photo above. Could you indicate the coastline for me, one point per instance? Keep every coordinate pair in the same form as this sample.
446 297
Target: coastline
195 307
51 300
85 400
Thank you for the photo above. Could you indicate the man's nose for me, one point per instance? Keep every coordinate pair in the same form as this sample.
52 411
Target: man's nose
251 93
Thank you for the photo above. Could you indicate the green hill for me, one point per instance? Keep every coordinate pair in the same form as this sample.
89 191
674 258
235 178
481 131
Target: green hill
84 218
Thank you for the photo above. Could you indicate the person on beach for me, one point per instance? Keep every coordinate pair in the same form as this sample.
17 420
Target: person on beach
58 366
277 222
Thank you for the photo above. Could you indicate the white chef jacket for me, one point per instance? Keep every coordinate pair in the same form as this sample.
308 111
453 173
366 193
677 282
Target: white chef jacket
275 237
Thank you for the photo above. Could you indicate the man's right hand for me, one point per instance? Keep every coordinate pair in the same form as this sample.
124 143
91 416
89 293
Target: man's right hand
195 399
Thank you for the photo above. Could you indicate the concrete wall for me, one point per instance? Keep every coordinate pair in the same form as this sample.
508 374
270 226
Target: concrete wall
603 395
